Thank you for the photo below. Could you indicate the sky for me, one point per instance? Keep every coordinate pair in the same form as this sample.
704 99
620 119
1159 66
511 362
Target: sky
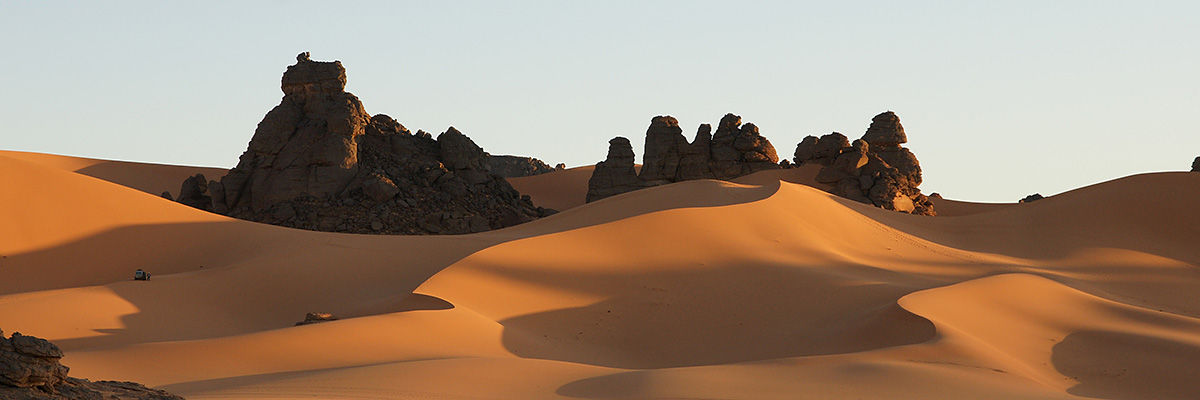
999 99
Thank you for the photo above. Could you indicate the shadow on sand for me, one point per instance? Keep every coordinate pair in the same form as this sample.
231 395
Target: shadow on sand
1117 365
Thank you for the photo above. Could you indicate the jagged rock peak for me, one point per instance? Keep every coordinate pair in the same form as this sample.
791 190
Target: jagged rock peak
729 122
460 152
885 131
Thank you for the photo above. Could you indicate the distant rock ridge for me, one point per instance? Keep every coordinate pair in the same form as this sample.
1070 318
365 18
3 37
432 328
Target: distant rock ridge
1031 198
874 170
735 150
30 368
318 161
1196 165
517 166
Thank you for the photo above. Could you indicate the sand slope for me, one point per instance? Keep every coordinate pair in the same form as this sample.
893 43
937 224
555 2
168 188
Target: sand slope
761 288
149 178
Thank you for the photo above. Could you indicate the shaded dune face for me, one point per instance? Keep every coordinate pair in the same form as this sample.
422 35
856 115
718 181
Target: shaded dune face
690 324
760 288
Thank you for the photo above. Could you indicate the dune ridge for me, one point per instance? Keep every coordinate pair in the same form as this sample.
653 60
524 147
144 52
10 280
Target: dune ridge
761 288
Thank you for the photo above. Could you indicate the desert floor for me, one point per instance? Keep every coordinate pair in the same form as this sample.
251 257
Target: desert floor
756 289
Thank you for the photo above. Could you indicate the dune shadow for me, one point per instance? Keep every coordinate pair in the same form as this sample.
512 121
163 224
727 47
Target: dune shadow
152 178
215 279
229 261
622 385
1132 213
421 302
710 316
1117 365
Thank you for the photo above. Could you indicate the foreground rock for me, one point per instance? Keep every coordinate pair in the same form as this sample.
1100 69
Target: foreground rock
30 368
28 362
734 150
517 166
318 161
875 169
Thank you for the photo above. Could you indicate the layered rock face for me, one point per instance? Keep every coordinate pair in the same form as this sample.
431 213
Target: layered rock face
30 369
27 361
517 166
735 150
318 161
874 170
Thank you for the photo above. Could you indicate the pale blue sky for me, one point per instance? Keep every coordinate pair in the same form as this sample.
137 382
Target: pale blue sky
999 99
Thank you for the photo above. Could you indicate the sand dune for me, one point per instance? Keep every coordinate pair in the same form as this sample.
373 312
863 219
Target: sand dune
761 288
559 190
149 178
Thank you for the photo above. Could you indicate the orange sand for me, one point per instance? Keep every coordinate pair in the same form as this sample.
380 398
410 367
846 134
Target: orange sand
762 288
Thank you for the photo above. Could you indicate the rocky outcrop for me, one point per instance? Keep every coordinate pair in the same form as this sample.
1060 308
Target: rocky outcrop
318 161
616 174
1196 165
517 166
1031 198
30 368
83 389
194 192
875 169
735 150
316 317
665 145
738 150
27 361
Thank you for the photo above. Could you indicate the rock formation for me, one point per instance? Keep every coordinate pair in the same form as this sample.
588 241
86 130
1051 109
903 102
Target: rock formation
1031 198
27 361
517 166
1196 165
874 170
616 174
316 317
318 161
194 192
735 150
30 369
